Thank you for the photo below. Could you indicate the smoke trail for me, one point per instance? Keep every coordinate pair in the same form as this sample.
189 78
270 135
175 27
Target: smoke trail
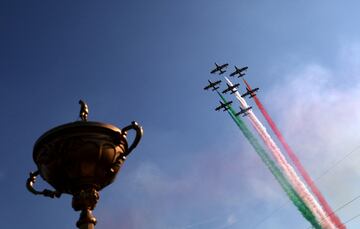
289 190
329 212
289 171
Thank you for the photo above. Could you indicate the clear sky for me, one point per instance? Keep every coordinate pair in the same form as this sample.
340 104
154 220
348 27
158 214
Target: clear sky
149 61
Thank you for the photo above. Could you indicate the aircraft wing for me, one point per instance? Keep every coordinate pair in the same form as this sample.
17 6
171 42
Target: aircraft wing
233 73
244 69
233 90
245 94
219 107
226 90
217 82
207 87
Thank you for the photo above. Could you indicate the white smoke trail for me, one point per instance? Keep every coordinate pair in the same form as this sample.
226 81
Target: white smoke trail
288 169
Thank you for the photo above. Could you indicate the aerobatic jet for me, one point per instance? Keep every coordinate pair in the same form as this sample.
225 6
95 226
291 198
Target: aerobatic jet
239 71
231 88
224 106
250 92
213 85
219 68
244 111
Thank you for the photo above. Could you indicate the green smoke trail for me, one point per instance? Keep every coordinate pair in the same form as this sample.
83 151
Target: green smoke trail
289 190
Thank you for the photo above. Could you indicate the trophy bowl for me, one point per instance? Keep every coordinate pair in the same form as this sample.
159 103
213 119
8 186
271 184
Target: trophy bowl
78 155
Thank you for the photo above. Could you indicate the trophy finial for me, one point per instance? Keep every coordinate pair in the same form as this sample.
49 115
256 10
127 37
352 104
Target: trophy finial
84 110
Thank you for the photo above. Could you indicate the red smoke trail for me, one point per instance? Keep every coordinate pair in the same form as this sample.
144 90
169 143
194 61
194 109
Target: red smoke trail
329 212
289 171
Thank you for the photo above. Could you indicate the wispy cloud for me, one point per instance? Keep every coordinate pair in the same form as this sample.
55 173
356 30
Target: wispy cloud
320 116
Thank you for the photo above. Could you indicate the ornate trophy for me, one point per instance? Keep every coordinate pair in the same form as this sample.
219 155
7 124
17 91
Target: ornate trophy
80 159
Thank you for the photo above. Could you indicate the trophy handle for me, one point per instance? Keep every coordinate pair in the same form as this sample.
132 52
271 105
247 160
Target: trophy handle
30 186
139 133
122 157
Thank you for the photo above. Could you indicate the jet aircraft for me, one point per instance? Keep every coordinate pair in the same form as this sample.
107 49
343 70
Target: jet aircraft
239 71
244 111
250 92
213 85
231 88
224 106
219 68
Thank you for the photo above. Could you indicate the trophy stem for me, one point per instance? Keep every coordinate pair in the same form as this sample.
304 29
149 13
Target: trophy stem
86 220
85 201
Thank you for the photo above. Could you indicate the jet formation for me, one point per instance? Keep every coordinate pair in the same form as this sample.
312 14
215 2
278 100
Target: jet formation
239 72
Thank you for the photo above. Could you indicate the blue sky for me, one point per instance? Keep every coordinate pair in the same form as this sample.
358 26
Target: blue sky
148 61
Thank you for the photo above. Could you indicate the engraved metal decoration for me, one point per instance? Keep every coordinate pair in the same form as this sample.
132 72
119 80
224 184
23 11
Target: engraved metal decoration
81 158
